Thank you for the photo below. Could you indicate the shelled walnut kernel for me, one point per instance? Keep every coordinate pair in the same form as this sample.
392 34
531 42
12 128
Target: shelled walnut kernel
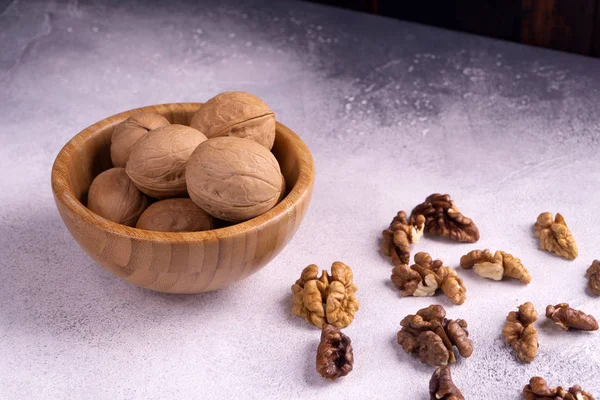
538 389
441 386
334 355
555 235
569 318
328 298
520 333
400 235
495 266
593 275
426 276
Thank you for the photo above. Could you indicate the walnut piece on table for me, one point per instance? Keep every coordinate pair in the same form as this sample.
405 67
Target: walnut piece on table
433 337
442 218
538 389
400 235
569 318
441 386
555 235
334 354
426 276
520 333
593 275
326 298
495 266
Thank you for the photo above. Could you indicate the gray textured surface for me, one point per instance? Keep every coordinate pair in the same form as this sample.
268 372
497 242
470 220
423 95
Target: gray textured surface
392 112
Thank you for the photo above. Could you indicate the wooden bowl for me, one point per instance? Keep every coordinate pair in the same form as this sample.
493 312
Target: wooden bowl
171 262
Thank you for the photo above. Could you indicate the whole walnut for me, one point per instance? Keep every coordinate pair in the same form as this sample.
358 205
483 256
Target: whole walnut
233 179
157 161
113 196
238 114
175 215
130 131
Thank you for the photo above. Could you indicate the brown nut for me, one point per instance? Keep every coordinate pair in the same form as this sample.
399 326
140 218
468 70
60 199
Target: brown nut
593 275
538 389
130 131
157 161
569 318
520 333
312 295
426 276
334 355
443 218
495 266
555 235
233 179
399 236
441 386
113 196
433 337
175 215
238 114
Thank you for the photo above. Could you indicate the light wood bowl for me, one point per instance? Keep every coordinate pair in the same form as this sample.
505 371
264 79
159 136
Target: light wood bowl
169 262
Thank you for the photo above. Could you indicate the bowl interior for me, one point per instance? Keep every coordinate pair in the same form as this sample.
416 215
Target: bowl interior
88 154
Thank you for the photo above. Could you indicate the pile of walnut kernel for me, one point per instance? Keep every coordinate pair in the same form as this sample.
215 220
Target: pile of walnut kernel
178 178
430 335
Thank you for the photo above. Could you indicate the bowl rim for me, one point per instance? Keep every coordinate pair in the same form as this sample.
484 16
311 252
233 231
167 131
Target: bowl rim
64 195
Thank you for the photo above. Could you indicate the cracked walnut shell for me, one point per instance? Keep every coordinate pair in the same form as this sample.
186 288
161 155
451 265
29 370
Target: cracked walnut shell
432 336
520 333
238 114
327 298
569 318
426 276
555 236
130 131
443 218
495 266
334 354
400 235
233 179
538 389
441 386
593 275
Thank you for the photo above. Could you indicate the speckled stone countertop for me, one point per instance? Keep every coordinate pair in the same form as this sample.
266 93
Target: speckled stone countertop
392 112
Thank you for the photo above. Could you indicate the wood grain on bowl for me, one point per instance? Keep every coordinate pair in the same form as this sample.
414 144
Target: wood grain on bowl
177 262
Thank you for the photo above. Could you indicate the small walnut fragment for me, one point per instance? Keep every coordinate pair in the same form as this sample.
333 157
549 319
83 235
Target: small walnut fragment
569 318
334 354
495 266
326 298
442 387
555 236
538 389
426 276
443 218
400 235
433 337
593 275
520 333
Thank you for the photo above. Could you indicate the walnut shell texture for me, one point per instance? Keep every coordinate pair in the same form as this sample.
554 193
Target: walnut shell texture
158 160
113 196
175 215
238 114
233 179
130 131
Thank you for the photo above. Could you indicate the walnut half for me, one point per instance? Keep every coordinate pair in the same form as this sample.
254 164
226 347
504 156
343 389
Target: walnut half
593 275
443 218
426 276
442 387
400 235
432 336
538 389
569 318
334 355
555 235
326 298
495 266
520 333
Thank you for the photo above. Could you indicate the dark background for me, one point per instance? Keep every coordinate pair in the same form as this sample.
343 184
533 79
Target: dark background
566 25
